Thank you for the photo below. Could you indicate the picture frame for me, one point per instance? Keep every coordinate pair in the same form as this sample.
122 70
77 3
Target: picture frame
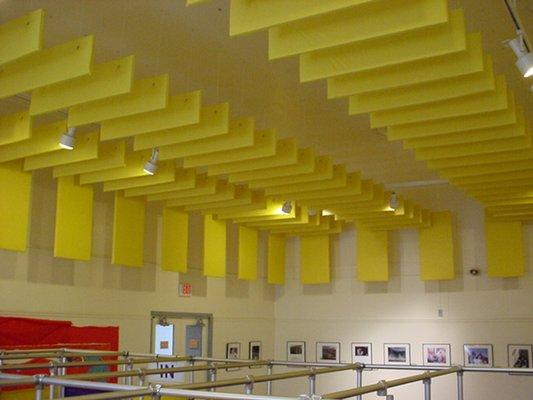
397 354
477 355
328 352
437 354
361 353
254 350
296 351
520 355
233 351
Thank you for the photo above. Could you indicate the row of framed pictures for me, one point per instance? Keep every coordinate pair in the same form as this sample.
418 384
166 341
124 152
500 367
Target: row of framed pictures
475 355
233 350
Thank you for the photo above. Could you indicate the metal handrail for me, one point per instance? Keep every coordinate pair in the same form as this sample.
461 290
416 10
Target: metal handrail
383 385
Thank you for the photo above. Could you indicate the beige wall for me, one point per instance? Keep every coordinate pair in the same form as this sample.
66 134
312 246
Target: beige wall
476 309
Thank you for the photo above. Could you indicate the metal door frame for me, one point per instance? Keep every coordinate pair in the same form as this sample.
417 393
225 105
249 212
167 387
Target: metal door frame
184 315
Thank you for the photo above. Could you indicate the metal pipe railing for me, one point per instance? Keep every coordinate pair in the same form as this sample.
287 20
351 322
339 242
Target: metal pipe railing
384 385
265 378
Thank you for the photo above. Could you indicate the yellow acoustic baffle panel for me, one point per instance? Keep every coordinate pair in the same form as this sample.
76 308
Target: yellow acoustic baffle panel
372 255
128 231
56 64
14 206
247 253
182 110
74 220
314 260
106 80
21 37
276 259
505 249
15 127
214 247
175 240
437 254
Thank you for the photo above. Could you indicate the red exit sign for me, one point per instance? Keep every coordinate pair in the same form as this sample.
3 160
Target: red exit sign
185 290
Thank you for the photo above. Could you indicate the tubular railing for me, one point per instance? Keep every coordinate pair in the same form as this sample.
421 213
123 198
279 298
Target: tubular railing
206 390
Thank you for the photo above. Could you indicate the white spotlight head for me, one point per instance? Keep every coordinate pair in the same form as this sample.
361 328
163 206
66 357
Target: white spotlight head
524 61
393 202
287 207
150 166
68 139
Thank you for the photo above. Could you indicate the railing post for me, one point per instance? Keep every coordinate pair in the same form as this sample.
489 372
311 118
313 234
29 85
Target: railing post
39 387
269 383
53 372
427 389
156 395
249 386
213 377
191 374
359 380
63 371
129 368
312 384
459 385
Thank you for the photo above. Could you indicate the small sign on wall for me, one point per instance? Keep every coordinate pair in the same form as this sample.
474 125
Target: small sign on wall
185 290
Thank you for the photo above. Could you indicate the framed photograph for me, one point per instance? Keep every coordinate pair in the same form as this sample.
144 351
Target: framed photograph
233 350
478 355
362 353
520 355
296 351
328 352
397 353
254 350
437 354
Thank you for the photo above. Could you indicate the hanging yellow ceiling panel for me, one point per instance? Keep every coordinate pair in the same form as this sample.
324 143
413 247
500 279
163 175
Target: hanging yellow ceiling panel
106 80
273 207
196 2
488 158
183 179
249 16
134 167
323 169
224 192
110 155
302 218
423 93
499 132
507 195
397 49
422 221
15 127
337 181
520 179
326 223
21 37
488 146
49 66
475 104
501 192
494 177
264 145
44 139
510 202
242 196
271 215
86 149
462 123
258 202
421 71
166 172
473 170
241 134
373 20
334 229
146 95
214 121
353 187
368 192
286 156
204 186
182 110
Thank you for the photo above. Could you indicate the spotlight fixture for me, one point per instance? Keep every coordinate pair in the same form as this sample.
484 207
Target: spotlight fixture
393 201
524 63
287 207
150 166
68 139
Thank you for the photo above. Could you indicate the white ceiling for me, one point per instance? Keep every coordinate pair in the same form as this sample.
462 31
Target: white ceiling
193 45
